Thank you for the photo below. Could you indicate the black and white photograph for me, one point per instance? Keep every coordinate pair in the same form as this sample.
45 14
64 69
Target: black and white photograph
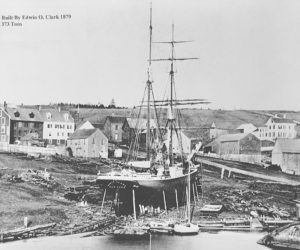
149 124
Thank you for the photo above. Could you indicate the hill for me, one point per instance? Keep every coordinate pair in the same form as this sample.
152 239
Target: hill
226 119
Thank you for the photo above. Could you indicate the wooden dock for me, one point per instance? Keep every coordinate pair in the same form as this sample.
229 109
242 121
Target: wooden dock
21 233
232 170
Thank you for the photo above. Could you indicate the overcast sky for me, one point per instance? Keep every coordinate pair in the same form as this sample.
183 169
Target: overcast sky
249 52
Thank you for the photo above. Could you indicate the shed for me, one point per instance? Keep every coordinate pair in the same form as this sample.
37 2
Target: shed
88 143
113 128
241 147
286 154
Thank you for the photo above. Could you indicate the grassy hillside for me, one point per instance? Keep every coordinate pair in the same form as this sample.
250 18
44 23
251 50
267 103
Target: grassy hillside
227 119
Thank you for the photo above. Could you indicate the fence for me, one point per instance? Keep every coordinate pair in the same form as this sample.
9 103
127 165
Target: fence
31 150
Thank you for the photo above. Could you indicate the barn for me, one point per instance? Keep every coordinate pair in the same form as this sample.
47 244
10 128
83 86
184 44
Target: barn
286 154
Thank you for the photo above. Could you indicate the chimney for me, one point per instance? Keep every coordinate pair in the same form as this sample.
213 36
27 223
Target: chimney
5 106
59 108
40 108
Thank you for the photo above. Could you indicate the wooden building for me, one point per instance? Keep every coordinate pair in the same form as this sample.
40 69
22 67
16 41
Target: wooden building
58 125
88 143
113 128
241 147
4 126
134 126
24 121
286 154
189 139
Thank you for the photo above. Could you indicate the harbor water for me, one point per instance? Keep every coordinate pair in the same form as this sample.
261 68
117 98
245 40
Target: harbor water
204 241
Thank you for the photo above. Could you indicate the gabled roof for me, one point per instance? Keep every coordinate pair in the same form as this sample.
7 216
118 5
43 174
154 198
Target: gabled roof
140 123
56 116
116 119
281 120
24 114
288 145
193 133
98 125
231 137
83 133
246 125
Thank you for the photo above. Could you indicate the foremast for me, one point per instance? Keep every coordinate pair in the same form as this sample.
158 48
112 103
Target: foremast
149 89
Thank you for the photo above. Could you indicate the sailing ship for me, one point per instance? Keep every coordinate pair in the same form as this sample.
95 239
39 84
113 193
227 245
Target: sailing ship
164 174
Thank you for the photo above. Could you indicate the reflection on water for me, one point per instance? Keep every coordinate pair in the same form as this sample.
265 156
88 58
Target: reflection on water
205 240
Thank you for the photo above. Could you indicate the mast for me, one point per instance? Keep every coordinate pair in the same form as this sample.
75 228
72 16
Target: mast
149 84
171 118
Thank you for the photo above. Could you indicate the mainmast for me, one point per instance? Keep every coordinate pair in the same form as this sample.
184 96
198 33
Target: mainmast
171 119
149 86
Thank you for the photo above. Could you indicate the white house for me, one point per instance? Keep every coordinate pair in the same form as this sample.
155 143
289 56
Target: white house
57 127
277 127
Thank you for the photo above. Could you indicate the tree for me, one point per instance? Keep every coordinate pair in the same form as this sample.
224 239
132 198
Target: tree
112 104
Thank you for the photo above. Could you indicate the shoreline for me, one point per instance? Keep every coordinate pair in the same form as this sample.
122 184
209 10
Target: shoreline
46 204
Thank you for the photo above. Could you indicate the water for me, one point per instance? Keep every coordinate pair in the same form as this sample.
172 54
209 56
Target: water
205 240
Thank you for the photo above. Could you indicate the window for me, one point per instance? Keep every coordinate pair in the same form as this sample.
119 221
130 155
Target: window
48 126
50 141
17 114
93 140
62 134
2 129
58 142
25 124
2 120
116 127
36 125
3 138
66 117
57 133
31 115
50 134
49 116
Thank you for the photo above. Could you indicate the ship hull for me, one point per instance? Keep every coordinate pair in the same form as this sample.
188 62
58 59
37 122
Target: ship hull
152 184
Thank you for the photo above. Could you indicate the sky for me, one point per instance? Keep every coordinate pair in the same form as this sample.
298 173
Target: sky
249 52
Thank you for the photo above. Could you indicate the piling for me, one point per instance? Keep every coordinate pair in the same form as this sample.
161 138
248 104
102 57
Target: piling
298 210
165 203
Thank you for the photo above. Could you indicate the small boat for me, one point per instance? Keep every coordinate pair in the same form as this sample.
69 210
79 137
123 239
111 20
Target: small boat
287 237
131 233
161 227
186 229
